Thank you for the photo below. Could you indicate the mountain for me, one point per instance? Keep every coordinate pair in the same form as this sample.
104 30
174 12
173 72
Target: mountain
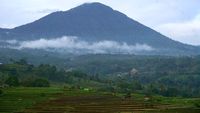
95 22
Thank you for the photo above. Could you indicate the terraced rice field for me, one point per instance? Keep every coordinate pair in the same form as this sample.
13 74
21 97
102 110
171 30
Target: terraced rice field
17 99
57 100
100 104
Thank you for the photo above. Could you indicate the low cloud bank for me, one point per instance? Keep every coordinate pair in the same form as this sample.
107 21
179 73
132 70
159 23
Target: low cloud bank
186 32
71 44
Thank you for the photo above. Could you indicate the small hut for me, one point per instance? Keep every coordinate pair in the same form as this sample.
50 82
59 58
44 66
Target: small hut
133 72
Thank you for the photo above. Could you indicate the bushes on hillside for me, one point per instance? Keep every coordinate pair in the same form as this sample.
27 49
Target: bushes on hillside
12 81
35 82
197 104
1 92
40 83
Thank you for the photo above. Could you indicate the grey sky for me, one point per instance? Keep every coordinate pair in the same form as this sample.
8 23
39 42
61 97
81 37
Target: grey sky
178 19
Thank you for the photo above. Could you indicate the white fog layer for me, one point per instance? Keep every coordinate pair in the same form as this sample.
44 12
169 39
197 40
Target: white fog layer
73 43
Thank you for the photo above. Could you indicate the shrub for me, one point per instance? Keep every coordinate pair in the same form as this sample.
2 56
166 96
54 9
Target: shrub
1 92
42 94
12 81
40 83
197 104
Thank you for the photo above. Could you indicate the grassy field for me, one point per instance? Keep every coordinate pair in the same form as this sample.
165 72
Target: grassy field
60 100
17 99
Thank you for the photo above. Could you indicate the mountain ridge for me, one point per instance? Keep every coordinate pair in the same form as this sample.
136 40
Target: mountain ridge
96 22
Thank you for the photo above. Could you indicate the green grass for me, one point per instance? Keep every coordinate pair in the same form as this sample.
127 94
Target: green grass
20 98
176 101
179 101
17 99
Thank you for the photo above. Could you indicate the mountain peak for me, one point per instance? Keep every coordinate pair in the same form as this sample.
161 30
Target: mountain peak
93 6
94 22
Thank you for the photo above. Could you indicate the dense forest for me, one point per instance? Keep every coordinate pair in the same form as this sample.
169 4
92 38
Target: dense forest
167 76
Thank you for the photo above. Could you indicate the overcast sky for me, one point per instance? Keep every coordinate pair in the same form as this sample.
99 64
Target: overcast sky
177 19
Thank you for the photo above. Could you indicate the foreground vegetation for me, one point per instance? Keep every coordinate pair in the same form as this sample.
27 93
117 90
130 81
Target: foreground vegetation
49 99
110 84
19 98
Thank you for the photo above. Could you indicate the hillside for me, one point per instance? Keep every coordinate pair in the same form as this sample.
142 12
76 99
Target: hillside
93 22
